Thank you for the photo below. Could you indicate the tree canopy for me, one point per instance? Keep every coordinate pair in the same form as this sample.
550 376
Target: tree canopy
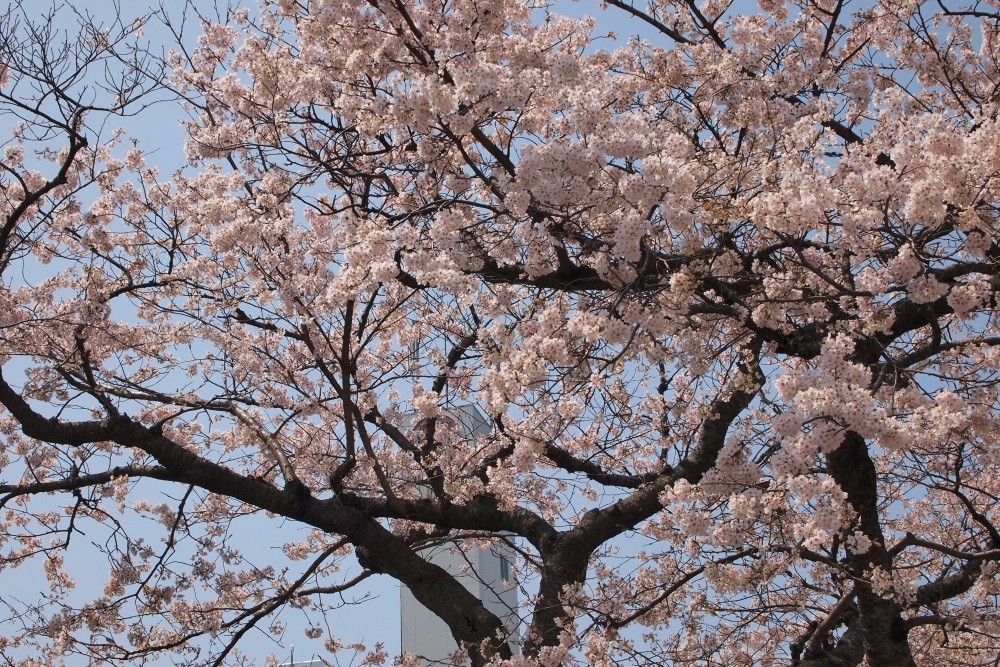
726 293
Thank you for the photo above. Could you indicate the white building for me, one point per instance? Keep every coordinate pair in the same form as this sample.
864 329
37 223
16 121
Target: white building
484 571
312 662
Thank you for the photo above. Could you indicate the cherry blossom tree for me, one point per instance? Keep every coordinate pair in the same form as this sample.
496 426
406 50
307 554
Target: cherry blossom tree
727 294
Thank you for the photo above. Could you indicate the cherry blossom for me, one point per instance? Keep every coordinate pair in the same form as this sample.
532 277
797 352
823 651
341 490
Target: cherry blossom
724 293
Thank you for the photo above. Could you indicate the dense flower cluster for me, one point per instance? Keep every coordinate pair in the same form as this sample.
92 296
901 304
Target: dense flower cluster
726 294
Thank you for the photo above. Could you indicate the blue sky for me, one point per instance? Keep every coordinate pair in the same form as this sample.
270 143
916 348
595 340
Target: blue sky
159 132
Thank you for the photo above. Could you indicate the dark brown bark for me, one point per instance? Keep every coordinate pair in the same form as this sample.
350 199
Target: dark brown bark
379 550
881 624
848 651
565 557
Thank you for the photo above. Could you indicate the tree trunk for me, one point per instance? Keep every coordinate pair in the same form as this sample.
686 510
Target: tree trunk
564 563
882 626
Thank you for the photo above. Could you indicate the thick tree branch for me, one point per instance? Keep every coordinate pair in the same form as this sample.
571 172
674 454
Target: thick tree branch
77 482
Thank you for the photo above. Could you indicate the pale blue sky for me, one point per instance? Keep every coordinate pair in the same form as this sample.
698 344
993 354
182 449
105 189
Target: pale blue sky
158 129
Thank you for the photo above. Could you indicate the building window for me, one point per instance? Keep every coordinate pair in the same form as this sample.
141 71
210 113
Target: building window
504 569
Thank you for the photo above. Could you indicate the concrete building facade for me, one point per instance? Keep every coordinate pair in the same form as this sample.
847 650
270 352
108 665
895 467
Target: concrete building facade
483 568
